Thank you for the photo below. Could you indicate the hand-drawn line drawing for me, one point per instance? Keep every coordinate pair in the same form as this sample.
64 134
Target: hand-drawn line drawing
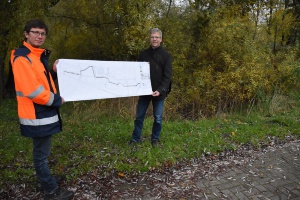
102 79
85 73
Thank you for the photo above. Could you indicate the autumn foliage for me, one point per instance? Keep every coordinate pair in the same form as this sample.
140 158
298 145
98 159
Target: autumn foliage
228 55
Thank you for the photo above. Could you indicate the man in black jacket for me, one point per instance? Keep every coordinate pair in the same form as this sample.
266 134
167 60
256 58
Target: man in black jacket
161 76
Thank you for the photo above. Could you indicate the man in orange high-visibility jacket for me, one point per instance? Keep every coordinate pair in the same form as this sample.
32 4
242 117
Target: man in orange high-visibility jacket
38 102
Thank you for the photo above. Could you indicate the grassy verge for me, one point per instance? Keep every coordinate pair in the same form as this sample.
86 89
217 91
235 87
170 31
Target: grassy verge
94 139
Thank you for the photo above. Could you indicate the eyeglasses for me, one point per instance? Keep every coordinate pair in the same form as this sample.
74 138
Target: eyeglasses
36 33
155 37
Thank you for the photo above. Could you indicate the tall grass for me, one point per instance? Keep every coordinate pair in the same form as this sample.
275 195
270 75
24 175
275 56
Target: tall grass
95 136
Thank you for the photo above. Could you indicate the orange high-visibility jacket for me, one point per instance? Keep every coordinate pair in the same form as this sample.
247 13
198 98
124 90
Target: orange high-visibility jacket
38 101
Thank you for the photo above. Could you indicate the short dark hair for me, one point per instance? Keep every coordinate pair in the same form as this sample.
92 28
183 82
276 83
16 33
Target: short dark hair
35 23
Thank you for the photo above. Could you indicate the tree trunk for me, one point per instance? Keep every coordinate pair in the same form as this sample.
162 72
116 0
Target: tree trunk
1 78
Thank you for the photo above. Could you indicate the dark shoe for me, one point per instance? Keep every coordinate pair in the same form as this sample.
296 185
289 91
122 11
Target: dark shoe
58 178
133 142
60 194
155 143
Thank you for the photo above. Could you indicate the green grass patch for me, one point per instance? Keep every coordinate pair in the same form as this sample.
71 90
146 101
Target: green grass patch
94 138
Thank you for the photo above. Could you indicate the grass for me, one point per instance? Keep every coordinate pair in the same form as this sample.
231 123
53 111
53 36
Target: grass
94 138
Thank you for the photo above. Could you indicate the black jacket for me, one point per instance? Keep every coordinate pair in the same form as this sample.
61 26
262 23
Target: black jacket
160 69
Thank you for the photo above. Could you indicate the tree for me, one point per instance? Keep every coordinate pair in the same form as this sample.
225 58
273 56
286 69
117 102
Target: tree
16 13
111 30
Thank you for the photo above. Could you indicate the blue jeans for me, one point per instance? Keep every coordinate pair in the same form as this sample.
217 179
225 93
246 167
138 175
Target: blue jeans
41 152
142 106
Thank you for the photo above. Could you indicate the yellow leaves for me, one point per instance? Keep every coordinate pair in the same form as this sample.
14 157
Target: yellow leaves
121 174
60 168
18 164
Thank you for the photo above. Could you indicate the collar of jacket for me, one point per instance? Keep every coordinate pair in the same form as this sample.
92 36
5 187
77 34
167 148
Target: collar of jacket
156 49
40 52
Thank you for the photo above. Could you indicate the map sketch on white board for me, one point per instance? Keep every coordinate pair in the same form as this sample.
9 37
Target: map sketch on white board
89 79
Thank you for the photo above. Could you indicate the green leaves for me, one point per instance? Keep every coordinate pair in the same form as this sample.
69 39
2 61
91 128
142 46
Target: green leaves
226 54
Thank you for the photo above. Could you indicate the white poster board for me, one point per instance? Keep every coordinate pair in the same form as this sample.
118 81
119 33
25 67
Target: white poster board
89 79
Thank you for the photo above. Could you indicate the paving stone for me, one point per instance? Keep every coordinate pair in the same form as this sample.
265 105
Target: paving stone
227 194
267 195
275 197
225 186
240 195
261 188
296 192
273 175
278 183
264 180
200 184
291 186
293 195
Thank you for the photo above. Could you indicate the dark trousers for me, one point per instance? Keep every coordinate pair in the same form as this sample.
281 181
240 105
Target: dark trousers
41 152
142 106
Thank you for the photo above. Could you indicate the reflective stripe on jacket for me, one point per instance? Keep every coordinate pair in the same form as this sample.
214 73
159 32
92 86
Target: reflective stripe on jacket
38 102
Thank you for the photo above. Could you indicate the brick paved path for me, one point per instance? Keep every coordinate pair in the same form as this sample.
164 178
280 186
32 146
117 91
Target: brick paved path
273 175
